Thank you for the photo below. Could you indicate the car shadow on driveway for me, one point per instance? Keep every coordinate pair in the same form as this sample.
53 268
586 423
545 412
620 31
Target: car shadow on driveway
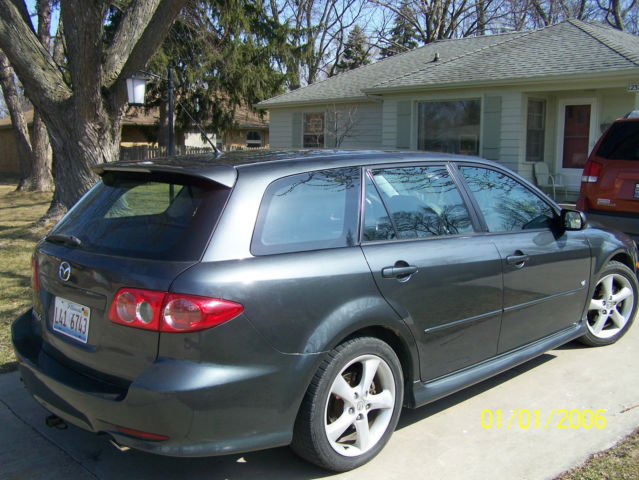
411 416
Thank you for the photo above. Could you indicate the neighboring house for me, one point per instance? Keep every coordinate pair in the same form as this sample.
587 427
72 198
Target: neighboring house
250 131
517 98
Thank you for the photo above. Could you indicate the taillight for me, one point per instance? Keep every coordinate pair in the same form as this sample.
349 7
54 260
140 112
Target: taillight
138 308
35 284
170 312
182 313
591 172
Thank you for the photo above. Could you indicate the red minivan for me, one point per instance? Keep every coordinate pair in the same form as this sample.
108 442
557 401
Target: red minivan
610 182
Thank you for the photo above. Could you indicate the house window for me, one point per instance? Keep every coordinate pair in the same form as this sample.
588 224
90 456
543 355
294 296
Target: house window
451 127
314 130
253 139
535 126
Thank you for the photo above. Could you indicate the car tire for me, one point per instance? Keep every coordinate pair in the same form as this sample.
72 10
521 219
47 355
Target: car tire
343 422
612 307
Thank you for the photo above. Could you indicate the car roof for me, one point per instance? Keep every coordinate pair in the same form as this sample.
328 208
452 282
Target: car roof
223 169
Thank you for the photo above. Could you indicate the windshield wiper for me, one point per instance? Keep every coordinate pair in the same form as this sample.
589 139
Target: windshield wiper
68 240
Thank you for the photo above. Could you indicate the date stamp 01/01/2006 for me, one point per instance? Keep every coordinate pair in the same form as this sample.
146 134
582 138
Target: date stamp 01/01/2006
561 418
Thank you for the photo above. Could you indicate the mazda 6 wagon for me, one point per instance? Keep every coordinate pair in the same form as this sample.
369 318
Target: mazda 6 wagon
208 306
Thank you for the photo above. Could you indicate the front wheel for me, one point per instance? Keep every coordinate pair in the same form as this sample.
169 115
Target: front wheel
351 407
613 305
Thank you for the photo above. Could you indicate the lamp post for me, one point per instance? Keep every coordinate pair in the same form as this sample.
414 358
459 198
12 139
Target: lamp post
170 85
135 89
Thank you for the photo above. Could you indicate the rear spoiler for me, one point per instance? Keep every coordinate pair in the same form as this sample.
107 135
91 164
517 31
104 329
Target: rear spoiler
225 175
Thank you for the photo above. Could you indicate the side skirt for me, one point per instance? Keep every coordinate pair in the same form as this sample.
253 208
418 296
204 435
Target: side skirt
426 392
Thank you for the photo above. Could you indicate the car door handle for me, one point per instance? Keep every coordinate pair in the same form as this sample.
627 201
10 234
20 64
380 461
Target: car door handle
518 259
398 272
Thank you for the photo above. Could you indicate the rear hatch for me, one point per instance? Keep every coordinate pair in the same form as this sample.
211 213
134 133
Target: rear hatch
133 229
617 153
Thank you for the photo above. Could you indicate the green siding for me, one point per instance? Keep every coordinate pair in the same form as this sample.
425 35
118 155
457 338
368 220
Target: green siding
403 123
491 128
296 130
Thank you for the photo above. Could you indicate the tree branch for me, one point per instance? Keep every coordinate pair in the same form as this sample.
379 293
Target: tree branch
33 64
145 46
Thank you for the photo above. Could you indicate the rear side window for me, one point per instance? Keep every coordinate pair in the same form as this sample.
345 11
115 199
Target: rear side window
621 142
310 211
146 216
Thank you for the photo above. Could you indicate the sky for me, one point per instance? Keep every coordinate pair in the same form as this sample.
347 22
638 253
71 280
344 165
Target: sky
55 16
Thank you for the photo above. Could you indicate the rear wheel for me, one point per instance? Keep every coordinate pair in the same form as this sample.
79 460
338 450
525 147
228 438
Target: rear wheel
351 407
613 305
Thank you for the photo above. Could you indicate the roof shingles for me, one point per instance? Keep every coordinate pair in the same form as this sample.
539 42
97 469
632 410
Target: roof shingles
568 48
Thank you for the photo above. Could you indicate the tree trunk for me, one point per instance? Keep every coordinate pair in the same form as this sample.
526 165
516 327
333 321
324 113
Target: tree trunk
73 139
41 178
84 105
10 92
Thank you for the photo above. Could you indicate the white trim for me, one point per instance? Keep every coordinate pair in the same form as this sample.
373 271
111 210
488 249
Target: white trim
572 176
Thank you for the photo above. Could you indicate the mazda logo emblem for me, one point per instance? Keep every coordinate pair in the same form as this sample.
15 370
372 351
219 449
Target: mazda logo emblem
64 272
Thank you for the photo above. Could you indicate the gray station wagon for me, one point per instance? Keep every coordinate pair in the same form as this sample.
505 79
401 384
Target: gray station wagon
203 306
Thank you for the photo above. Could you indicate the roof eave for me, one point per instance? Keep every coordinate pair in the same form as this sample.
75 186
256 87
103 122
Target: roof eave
617 74
309 103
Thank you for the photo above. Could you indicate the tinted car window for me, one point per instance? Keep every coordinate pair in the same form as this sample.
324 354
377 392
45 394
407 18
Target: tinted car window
505 203
621 142
146 216
310 211
422 201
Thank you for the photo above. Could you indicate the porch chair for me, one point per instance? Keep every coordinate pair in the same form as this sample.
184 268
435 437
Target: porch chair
545 180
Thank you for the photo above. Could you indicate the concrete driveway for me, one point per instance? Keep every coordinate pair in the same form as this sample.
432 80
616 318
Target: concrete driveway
444 440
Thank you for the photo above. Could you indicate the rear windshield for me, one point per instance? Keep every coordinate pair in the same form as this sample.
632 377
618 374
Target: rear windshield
151 216
621 142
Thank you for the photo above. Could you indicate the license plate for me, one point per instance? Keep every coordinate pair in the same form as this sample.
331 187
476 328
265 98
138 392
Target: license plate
71 319
636 195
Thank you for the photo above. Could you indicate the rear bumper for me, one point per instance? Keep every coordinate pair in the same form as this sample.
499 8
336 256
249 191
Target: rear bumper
204 409
627 223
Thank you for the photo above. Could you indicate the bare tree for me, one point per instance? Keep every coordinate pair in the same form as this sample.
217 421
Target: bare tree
317 33
442 19
615 13
340 123
83 104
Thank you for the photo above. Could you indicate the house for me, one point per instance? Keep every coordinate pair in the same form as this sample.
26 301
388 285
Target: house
517 98
139 136
250 131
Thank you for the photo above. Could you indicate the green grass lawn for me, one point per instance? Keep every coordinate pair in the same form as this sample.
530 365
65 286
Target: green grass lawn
18 236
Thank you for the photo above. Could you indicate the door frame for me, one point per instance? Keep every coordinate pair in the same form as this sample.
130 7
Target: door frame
572 176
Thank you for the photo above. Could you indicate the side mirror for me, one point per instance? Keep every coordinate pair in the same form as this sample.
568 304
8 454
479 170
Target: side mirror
573 220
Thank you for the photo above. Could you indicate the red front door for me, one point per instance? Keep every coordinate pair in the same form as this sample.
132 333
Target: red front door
576 135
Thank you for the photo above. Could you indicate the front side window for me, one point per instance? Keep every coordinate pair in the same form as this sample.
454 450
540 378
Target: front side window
309 211
451 127
535 125
505 203
314 130
421 202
